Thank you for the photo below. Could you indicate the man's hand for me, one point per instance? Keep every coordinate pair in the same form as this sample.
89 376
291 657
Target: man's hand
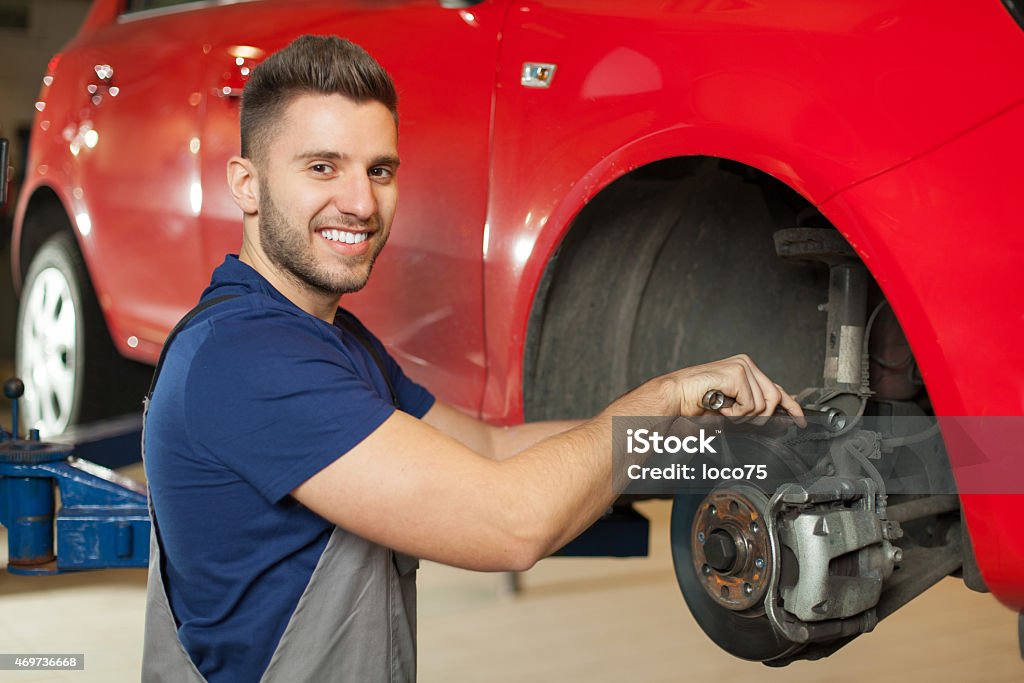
682 392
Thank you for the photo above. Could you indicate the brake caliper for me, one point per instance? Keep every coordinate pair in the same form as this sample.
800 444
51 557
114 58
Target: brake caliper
830 550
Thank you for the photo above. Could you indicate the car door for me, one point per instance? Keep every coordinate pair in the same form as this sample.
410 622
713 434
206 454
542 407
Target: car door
424 299
133 135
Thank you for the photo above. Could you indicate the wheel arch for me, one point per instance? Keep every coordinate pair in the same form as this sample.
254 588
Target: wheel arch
517 261
546 383
44 215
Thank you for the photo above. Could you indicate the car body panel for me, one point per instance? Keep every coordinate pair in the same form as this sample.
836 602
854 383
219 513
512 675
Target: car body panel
826 108
956 211
146 246
899 120
941 235
453 131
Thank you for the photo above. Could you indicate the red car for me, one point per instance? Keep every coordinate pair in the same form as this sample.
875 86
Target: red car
593 194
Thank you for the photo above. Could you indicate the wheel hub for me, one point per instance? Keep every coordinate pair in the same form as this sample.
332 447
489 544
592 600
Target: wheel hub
729 547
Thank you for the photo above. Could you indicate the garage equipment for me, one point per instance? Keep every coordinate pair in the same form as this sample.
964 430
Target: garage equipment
102 522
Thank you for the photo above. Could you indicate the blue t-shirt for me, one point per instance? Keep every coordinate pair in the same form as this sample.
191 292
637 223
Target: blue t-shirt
254 398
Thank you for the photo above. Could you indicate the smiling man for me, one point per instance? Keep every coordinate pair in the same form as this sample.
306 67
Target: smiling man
295 472
315 242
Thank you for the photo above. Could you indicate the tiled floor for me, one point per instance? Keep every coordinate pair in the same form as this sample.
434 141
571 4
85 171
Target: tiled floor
575 620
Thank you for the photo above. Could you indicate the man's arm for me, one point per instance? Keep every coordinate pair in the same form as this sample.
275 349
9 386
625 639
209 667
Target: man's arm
496 443
410 487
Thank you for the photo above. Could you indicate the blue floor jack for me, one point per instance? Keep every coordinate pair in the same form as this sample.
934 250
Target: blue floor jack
103 519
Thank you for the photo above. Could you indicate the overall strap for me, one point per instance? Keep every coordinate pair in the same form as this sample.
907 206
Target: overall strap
178 328
350 325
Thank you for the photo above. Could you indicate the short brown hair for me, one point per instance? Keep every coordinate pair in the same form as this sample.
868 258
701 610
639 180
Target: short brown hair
324 65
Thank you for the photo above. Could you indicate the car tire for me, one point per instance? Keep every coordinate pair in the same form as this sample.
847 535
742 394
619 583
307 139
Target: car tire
64 354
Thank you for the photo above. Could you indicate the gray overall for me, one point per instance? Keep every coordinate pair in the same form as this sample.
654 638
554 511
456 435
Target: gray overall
355 621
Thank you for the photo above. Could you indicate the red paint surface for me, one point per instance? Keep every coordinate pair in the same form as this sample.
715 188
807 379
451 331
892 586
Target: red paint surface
897 119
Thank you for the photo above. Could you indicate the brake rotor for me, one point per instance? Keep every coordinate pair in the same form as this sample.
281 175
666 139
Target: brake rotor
730 548
720 549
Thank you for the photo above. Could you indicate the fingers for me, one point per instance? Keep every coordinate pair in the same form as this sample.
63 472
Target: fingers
754 393
747 387
792 407
737 385
766 393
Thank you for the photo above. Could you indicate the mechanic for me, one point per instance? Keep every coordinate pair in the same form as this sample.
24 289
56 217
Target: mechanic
295 471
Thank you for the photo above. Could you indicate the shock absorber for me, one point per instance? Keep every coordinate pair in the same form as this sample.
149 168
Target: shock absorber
843 383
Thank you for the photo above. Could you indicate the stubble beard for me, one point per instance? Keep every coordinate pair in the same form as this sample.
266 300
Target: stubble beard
289 249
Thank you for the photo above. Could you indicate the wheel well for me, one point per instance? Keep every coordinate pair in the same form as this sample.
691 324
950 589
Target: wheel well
45 216
673 265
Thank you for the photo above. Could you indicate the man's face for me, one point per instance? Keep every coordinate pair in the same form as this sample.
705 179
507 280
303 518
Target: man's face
328 192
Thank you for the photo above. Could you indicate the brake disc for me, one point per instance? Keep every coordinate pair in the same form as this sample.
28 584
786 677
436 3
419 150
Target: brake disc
720 549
